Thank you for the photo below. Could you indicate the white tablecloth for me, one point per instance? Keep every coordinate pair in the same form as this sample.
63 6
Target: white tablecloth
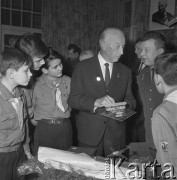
66 160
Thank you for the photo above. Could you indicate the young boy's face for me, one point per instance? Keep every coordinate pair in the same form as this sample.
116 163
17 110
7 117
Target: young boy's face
22 75
55 68
38 62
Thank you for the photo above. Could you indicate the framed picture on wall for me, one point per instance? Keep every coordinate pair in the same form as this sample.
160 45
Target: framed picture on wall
161 12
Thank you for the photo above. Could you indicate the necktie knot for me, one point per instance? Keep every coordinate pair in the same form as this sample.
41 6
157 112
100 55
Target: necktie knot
107 65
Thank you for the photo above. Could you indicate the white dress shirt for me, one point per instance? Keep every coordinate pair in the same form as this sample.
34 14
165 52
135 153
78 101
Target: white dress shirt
102 62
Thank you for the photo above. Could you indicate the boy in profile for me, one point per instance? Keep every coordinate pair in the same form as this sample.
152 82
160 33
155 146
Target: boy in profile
14 68
164 120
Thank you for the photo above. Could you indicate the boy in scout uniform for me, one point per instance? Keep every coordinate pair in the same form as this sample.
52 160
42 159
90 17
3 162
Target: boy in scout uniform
51 110
14 140
164 120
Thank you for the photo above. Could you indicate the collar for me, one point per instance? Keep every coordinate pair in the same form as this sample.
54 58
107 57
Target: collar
171 95
103 61
6 94
44 80
143 66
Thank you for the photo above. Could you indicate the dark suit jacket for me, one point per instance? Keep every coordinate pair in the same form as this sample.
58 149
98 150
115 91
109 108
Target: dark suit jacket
87 85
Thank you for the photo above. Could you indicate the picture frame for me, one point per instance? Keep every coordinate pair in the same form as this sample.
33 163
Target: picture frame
158 20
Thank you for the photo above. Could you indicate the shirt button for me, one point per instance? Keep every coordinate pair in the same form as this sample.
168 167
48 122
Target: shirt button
150 109
149 99
150 90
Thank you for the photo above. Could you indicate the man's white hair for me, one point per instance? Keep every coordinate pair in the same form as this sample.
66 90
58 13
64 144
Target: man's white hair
164 2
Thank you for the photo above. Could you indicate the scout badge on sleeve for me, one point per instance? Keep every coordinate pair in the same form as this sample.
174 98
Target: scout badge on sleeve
164 145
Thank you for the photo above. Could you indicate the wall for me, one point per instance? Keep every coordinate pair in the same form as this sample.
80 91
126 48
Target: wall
81 21
77 21
139 24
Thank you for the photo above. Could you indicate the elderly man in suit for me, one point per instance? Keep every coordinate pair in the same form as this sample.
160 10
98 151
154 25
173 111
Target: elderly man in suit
102 82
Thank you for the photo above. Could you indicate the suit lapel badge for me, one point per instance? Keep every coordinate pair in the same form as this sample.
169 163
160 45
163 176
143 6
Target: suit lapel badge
98 78
118 76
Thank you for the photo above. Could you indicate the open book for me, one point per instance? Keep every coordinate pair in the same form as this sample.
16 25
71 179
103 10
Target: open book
128 113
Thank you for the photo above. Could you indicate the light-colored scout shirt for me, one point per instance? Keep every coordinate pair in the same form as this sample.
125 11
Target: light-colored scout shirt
164 130
44 98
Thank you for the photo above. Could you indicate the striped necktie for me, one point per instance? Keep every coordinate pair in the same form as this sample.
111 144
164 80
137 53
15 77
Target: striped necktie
107 74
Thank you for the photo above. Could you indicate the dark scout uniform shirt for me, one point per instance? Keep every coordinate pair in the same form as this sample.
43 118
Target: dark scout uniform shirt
150 97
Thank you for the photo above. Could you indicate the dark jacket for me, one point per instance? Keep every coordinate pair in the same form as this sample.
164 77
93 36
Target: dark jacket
87 85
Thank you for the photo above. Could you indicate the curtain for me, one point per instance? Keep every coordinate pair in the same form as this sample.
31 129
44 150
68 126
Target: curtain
77 21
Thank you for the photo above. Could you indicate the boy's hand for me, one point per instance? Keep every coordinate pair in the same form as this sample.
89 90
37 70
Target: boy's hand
29 155
34 122
30 113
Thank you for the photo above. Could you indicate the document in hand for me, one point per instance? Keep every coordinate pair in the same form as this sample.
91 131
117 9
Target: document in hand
128 113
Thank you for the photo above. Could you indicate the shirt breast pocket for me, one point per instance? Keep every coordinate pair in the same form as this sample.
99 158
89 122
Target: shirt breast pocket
44 99
65 94
8 121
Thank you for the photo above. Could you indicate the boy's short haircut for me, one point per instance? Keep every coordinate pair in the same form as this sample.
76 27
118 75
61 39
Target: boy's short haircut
75 48
159 38
13 58
32 45
166 66
12 41
52 55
